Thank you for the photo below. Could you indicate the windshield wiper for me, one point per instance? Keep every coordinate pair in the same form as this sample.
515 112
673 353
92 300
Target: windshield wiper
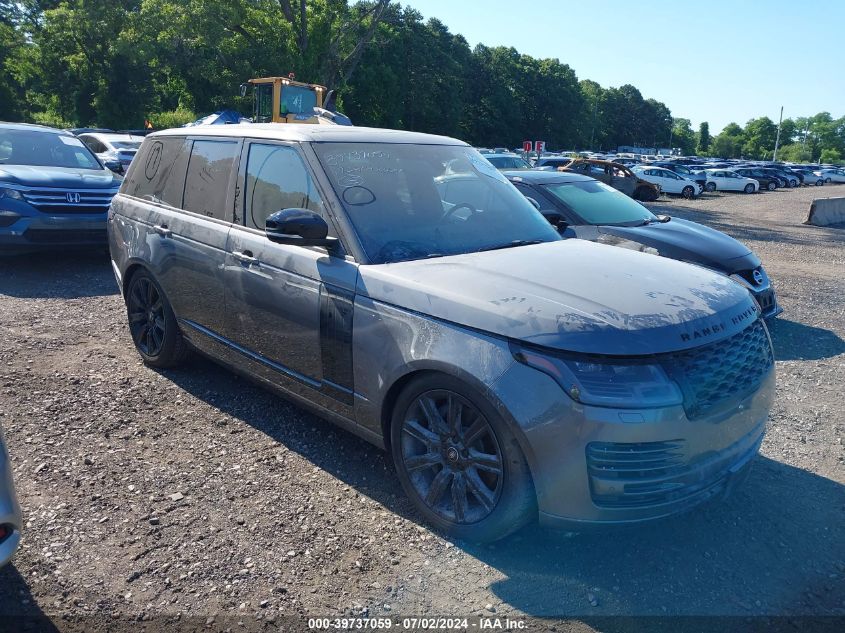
510 245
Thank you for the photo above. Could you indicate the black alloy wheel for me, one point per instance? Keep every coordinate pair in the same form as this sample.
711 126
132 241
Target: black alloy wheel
152 323
452 457
146 316
688 192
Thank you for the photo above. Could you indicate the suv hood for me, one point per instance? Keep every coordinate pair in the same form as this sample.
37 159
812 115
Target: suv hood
691 242
570 295
64 177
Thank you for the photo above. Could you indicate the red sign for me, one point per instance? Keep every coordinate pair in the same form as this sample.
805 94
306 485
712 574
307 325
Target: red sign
526 146
539 146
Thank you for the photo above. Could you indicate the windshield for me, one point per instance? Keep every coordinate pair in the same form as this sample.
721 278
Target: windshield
508 162
44 149
126 144
417 201
597 203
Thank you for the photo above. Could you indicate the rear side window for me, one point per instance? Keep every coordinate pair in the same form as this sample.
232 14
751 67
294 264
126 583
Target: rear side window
209 174
277 179
158 173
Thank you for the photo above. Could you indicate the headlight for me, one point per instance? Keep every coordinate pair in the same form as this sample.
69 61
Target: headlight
607 384
12 194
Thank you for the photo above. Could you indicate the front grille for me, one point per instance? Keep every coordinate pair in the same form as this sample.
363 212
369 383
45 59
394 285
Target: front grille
65 236
55 201
713 374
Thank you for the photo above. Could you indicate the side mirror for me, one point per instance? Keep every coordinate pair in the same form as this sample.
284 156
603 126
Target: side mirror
299 227
664 218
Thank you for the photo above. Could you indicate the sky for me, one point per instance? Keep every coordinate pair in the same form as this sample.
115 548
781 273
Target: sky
709 60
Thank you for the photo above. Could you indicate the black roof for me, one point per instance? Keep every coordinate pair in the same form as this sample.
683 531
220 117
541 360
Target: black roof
539 177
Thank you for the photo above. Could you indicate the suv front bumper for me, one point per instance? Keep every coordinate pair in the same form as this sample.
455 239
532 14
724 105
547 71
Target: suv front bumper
599 467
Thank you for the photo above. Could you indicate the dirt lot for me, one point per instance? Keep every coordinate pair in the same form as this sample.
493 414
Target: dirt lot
193 496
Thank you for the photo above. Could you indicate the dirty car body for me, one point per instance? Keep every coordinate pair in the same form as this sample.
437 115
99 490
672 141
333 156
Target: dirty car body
583 209
629 388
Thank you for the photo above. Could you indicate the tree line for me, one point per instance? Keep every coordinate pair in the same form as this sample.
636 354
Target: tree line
117 63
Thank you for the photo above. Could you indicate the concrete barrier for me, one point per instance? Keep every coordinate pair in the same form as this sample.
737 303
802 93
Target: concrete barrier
826 211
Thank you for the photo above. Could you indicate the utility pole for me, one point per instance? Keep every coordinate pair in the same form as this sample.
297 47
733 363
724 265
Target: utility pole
777 139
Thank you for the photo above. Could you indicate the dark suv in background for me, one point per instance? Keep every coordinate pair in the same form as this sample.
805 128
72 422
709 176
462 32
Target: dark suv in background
53 190
767 180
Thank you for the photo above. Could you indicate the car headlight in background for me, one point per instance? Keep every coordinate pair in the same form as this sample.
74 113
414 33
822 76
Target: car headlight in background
11 194
607 384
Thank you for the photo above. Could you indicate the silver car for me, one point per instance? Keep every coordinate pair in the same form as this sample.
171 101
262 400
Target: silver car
10 512
509 373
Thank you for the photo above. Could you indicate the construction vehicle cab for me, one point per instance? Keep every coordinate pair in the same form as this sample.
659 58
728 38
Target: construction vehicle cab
284 100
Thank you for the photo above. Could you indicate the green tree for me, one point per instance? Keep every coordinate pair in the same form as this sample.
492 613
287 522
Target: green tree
683 136
760 137
830 156
729 142
794 153
703 141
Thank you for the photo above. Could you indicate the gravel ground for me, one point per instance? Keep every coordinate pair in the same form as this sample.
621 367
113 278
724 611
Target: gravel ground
193 496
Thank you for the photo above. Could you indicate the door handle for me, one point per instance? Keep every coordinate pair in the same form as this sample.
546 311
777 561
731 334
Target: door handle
245 257
162 230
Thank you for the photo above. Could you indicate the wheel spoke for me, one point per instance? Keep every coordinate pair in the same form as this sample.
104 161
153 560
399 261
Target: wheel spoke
435 420
486 461
478 490
475 432
459 497
420 462
453 414
150 294
420 433
137 317
438 487
148 341
157 337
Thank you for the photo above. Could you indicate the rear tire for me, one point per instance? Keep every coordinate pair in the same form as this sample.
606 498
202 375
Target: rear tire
458 461
152 323
749 188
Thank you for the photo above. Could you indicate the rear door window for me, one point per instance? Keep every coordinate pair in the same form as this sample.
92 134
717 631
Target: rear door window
158 173
209 175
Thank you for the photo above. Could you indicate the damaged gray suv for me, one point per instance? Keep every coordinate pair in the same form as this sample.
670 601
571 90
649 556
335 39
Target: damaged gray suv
510 374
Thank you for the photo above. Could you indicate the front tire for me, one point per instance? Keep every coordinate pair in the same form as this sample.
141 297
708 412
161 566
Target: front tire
458 461
771 186
152 323
711 187
688 192
819 183
749 188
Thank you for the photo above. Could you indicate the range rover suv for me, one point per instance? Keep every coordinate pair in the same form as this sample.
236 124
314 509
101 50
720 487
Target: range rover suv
54 193
323 263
